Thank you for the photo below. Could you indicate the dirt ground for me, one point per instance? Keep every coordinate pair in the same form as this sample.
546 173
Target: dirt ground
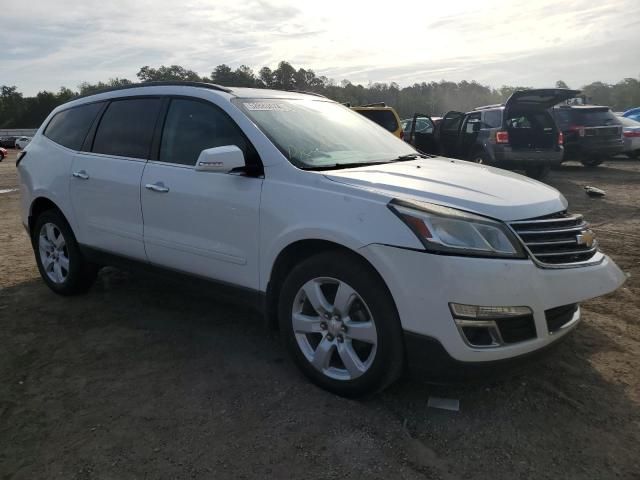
142 379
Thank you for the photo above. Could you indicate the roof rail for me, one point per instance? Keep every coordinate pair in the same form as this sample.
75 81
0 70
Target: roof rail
170 83
306 93
486 107
377 104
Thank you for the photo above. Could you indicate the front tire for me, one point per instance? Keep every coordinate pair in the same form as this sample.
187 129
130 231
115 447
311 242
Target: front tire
340 325
59 260
592 162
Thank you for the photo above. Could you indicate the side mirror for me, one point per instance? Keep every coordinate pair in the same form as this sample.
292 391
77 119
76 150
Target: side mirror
220 159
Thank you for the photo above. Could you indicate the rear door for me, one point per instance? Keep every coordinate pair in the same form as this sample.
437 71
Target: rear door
448 133
199 222
105 183
422 133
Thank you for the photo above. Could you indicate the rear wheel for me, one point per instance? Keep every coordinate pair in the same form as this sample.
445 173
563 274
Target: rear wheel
340 325
592 162
538 172
59 260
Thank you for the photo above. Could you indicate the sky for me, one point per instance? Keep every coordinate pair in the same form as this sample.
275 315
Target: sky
49 44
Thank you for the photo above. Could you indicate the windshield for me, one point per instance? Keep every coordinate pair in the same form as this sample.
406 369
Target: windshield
322 134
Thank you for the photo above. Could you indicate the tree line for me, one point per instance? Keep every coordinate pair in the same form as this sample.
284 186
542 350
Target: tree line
433 98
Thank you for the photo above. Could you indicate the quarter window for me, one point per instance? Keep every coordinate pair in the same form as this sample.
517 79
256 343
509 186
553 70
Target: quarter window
126 128
192 126
70 127
493 118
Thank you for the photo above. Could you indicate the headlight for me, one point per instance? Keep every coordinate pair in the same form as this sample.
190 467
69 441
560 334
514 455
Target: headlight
447 230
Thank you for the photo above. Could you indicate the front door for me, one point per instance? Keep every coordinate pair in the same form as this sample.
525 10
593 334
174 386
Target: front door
203 223
448 134
421 133
105 183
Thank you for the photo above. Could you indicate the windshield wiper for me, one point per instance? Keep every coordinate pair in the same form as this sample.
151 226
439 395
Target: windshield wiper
337 166
409 156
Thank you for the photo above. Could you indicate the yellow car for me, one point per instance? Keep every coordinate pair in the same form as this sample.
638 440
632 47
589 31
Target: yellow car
383 115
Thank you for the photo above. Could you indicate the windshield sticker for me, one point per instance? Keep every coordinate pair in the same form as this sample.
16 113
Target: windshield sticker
267 107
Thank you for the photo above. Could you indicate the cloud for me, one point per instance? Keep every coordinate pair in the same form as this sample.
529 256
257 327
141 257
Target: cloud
536 43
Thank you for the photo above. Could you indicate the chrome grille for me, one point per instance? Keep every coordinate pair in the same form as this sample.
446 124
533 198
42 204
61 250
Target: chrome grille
557 239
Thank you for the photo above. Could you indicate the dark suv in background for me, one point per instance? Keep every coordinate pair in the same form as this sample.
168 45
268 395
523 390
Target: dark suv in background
521 134
591 133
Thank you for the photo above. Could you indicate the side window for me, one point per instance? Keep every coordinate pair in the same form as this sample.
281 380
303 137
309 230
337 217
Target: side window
126 128
449 124
493 118
424 125
472 124
70 127
192 126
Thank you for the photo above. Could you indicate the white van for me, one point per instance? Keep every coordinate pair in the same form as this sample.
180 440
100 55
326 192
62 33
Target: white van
368 255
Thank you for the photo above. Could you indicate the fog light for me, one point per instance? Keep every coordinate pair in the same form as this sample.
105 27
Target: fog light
490 327
481 313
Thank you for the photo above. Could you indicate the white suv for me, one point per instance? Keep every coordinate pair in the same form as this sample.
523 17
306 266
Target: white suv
367 254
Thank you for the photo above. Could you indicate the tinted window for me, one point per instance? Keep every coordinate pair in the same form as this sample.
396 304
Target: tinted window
493 118
563 117
384 118
594 118
70 127
451 124
585 117
193 126
126 128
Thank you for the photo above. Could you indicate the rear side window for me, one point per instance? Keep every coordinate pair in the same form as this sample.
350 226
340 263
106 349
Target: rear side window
493 119
384 118
70 127
126 128
192 126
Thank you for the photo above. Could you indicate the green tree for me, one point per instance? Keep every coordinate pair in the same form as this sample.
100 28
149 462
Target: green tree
163 74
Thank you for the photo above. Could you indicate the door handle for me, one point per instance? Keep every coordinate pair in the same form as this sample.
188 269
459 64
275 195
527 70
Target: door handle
82 175
157 187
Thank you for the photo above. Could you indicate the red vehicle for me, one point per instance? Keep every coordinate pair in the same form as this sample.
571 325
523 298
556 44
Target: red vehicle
3 153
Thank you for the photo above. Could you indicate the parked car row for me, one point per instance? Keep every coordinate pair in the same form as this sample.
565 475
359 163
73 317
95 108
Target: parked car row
631 136
14 142
532 131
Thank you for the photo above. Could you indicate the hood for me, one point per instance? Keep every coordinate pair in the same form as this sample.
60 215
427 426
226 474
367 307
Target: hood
542 98
467 186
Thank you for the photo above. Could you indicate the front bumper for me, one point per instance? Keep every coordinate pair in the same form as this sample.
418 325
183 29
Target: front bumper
424 284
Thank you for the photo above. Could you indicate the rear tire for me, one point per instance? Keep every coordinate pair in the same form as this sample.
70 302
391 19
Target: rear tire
592 162
340 325
538 172
58 256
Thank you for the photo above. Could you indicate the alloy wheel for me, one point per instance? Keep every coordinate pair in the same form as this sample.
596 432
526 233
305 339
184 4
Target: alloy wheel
334 328
53 253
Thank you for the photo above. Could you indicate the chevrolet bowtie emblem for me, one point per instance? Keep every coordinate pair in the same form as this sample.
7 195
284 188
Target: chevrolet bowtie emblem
586 237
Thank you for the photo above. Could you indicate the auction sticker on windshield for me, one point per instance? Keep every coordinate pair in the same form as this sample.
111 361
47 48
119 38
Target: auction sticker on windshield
267 107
